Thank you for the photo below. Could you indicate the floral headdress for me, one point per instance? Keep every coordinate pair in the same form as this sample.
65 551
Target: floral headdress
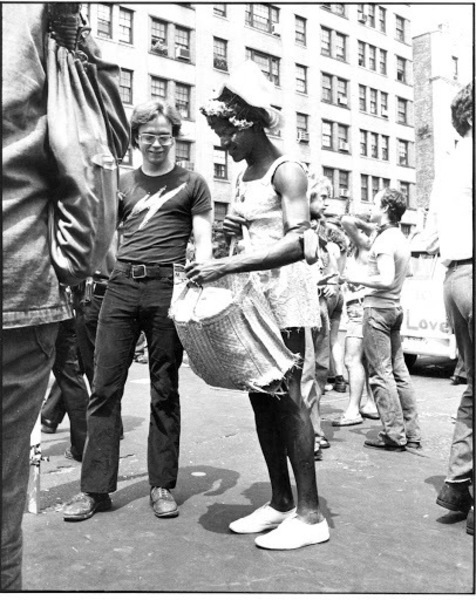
223 110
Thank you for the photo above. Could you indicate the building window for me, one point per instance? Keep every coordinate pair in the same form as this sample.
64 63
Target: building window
326 83
339 9
405 189
125 86
302 123
182 100
261 16
374 145
267 63
105 20
340 46
86 12
325 41
363 143
384 104
343 138
382 19
375 186
361 13
276 131
362 98
126 160
371 15
220 209
373 101
403 153
220 163
158 36
399 28
300 30
327 135
402 115
454 61
384 147
343 183
386 183
342 91
372 58
182 154
401 69
383 62
219 9
329 173
125 25
220 52
158 88
364 188
182 38
301 79
361 54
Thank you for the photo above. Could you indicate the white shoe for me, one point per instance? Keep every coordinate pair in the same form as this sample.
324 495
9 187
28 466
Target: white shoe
294 533
261 519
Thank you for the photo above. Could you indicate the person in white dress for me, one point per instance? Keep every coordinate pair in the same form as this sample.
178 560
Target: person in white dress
270 202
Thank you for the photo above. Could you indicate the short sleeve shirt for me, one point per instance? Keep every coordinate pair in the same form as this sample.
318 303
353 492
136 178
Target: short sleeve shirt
393 243
157 214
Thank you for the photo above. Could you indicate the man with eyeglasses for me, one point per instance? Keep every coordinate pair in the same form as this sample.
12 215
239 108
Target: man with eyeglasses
162 205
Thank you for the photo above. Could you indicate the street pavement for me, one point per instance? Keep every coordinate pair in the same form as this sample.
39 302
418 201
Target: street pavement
387 533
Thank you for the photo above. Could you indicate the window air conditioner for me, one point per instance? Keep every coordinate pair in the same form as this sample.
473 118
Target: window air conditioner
384 112
182 53
344 193
276 29
342 100
159 48
303 137
362 18
344 146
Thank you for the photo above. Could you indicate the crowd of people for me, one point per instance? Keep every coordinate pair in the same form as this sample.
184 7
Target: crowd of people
311 269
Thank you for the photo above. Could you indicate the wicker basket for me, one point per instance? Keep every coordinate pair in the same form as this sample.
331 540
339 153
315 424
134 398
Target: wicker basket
240 346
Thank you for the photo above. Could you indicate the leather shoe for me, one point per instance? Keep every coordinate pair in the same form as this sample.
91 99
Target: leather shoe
70 455
48 426
457 380
414 445
381 445
455 497
83 506
470 522
163 503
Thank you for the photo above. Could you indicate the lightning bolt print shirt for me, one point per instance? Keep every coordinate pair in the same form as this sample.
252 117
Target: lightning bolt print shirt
157 213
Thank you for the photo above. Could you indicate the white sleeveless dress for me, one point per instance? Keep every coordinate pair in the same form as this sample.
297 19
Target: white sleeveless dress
291 290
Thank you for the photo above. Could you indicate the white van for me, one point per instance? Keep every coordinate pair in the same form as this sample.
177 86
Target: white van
425 329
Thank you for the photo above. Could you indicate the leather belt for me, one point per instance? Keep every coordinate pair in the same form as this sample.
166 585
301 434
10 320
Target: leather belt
99 289
458 263
144 271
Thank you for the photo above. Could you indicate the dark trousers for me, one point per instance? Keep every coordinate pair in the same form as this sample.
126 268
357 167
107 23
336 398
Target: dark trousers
86 322
129 307
71 395
28 356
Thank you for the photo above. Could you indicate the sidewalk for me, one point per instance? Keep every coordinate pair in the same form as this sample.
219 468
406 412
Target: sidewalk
387 533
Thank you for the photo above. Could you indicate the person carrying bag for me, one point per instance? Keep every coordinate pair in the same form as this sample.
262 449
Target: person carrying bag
88 134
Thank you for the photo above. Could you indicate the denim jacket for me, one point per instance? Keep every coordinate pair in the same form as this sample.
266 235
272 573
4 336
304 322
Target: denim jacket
31 292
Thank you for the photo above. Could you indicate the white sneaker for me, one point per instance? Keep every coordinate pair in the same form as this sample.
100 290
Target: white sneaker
294 533
261 519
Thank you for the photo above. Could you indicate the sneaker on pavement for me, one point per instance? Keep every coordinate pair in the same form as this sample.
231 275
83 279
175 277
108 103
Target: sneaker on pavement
83 506
340 386
163 503
294 533
261 519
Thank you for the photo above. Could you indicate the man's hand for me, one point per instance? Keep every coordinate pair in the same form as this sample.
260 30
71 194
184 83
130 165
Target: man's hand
205 272
232 225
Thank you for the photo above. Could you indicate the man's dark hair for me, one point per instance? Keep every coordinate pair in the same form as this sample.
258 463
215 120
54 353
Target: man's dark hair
462 109
396 203
144 113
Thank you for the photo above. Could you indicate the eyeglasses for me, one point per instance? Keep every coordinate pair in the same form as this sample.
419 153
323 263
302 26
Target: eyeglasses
164 139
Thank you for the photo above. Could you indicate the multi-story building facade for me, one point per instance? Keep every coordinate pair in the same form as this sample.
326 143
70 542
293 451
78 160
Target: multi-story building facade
437 81
343 76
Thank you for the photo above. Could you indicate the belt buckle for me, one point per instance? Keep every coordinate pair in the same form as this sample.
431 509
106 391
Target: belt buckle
138 271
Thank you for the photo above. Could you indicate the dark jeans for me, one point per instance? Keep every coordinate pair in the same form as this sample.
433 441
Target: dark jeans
73 395
458 295
28 356
86 322
129 307
388 375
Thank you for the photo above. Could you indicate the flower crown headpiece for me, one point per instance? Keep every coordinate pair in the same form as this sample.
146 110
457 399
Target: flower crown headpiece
223 110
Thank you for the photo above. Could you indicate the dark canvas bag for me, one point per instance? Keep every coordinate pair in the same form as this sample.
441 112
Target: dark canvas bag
87 132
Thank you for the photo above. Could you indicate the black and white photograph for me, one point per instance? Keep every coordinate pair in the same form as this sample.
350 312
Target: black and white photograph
237 326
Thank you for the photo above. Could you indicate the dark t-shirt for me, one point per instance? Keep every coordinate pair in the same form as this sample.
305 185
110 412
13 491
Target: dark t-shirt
157 214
